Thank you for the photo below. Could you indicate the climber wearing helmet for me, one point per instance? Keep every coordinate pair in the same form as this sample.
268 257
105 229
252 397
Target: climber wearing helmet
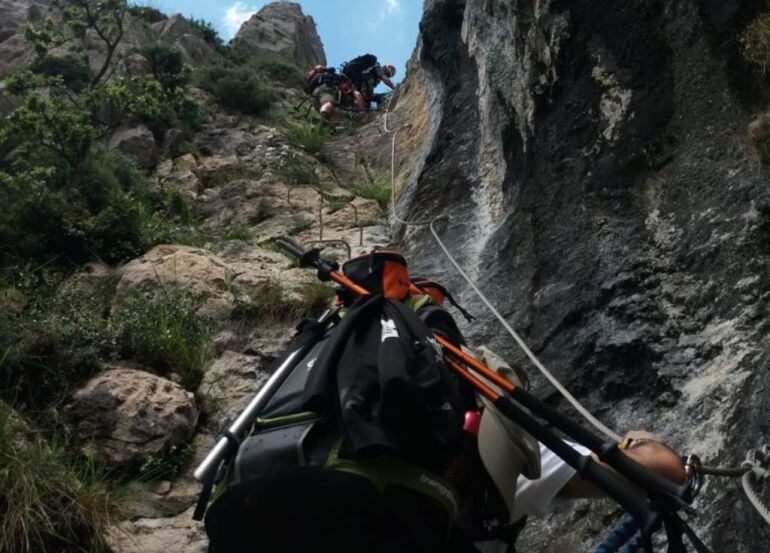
376 75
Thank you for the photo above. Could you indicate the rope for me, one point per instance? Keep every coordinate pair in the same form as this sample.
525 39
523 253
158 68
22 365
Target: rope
748 482
429 222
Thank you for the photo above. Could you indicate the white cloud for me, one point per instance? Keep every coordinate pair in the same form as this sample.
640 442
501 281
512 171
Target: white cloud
239 12
388 9
392 6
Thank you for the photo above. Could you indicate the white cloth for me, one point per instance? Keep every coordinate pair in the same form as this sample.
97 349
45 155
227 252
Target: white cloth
537 497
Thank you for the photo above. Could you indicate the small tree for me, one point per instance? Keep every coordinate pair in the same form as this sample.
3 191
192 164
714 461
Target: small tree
75 24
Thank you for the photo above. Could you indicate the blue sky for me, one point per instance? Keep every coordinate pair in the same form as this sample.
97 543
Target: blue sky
386 28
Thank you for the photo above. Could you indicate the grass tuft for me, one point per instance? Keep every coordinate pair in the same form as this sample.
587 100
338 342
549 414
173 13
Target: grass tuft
378 189
163 331
309 136
50 500
268 303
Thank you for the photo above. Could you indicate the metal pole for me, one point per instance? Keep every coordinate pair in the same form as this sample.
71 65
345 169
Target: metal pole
211 463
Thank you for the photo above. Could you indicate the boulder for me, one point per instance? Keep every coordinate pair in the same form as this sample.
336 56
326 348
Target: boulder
137 64
193 270
138 143
124 415
281 30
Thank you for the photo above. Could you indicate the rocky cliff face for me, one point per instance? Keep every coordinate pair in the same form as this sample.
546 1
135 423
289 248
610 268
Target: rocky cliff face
591 162
281 30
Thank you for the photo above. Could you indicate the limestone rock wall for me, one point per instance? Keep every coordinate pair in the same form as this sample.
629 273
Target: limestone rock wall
589 157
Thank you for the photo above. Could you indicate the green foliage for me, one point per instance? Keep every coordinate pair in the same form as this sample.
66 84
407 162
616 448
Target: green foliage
166 64
72 69
264 212
236 88
316 298
55 344
756 42
167 465
60 194
70 29
52 118
163 331
177 205
300 227
206 31
378 189
241 232
108 213
296 171
309 136
334 207
268 302
147 14
278 71
50 500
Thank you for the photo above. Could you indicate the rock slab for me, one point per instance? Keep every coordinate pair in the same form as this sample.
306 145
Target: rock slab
122 416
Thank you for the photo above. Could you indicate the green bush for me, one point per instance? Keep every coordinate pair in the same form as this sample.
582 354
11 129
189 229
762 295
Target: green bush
378 189
236 88
166 466
177 206
55 344
50 501
278 71
147 13
71 68
309 136
166 63
162 330
107 213
206 31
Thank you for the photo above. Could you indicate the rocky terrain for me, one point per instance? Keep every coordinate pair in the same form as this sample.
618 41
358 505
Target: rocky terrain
592 171
248 182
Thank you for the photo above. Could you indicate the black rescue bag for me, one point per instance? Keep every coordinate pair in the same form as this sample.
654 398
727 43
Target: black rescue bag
358 69
294 486
383 378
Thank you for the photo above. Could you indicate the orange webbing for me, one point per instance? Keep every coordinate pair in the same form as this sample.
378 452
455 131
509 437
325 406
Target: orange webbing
476 365
482 387
342 280
395 281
